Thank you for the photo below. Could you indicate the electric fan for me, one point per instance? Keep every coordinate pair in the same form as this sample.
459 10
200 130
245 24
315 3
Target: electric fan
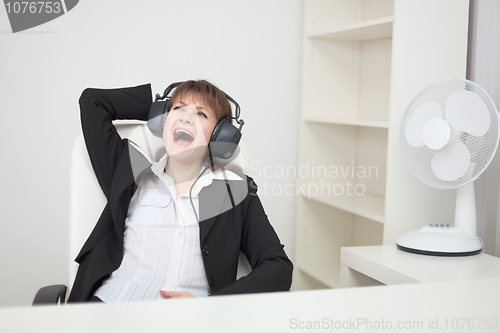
448 136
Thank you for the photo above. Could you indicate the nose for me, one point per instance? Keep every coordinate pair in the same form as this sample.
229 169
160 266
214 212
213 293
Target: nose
186 117
189 114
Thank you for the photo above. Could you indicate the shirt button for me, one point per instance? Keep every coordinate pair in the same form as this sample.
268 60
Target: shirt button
180 234
174 285
177 259
205 250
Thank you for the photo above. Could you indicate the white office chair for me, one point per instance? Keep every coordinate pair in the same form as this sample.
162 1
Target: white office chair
87 199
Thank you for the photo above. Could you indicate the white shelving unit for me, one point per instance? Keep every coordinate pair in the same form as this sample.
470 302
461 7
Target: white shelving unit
363 61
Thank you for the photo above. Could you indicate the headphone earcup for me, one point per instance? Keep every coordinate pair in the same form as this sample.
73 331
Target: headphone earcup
156 118
224 140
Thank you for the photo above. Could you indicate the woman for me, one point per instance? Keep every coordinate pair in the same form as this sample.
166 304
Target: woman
176 231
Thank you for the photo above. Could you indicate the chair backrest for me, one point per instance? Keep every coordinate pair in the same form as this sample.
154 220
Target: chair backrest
87 199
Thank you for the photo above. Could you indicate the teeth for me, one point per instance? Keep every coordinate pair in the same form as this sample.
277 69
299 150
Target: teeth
183 131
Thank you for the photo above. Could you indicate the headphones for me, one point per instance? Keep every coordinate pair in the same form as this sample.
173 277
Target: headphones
225 136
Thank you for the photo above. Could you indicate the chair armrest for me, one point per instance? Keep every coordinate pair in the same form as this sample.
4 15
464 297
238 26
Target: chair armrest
50 295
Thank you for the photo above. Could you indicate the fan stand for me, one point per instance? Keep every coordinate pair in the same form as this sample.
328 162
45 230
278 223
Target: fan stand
445 240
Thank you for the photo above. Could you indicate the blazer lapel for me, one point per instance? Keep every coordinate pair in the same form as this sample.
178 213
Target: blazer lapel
214 200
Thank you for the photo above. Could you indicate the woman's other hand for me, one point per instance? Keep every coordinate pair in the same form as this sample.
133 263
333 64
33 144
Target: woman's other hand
175 294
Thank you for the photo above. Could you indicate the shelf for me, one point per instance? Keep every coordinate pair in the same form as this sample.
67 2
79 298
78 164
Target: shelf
361 31
346 121
367 205
326 273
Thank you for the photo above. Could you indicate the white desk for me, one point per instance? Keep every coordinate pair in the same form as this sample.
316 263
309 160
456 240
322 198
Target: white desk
372 265
423 307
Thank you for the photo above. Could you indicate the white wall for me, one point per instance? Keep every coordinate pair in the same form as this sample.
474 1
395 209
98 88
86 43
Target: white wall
250 49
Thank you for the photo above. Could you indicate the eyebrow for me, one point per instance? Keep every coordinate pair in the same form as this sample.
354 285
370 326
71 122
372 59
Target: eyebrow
197 107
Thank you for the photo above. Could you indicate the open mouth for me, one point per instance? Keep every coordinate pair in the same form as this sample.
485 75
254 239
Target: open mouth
183 137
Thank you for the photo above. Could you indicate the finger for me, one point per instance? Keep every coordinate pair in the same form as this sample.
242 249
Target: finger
170 294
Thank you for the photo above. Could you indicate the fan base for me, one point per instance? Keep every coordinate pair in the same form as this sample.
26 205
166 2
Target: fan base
444 241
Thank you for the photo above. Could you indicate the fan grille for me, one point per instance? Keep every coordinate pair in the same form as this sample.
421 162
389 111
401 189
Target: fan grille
482 149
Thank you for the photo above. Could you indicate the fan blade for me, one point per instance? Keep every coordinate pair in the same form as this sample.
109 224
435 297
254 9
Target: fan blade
452 164
417 121
436 133
467 112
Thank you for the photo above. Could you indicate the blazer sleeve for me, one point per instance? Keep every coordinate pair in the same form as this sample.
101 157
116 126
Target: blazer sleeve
98 108
271 267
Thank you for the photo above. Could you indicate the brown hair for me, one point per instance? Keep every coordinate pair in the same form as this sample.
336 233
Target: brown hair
212 96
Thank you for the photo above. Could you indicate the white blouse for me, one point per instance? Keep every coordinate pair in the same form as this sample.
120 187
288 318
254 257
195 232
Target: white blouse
161 240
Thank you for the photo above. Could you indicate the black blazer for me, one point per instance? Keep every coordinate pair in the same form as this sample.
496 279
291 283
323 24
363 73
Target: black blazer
241 227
